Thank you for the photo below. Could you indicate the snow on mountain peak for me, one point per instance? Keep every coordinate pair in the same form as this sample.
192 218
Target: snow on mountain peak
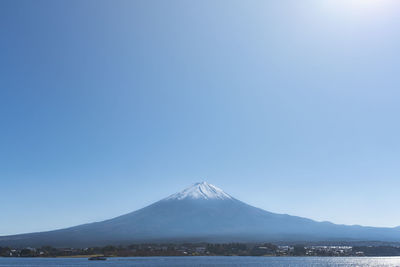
201 190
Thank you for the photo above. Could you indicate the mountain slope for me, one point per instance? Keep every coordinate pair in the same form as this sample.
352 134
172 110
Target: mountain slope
202 212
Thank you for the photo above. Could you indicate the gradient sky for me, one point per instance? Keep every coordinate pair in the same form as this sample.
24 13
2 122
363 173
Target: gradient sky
108 106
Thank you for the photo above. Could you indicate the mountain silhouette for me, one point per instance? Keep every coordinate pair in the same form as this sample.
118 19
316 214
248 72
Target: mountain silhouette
201 213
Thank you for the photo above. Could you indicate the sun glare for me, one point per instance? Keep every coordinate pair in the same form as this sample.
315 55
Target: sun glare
358 7
365 4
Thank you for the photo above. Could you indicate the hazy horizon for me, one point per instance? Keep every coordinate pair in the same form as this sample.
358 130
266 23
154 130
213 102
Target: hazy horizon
109 106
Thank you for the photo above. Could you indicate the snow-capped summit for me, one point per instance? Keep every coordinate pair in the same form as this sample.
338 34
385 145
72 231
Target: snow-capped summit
201 190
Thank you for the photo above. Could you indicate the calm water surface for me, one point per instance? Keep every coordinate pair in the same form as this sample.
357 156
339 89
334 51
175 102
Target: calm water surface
207 261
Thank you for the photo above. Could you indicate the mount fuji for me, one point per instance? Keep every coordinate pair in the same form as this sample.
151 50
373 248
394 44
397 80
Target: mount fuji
201 213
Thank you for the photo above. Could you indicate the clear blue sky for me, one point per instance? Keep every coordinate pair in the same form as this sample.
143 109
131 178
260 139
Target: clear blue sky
108 106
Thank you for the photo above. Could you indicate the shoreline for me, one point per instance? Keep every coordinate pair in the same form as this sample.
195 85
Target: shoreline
193 256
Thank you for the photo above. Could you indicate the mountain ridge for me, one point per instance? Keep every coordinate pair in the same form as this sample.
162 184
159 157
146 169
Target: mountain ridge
201 213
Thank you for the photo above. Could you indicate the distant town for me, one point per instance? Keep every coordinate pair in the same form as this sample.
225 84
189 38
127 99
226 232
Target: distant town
204 249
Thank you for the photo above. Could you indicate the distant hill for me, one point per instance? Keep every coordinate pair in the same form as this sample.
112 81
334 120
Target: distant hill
201 213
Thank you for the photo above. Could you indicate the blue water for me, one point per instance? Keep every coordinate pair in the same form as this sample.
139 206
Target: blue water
207 261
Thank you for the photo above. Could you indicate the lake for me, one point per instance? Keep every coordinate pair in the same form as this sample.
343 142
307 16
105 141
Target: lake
206 261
